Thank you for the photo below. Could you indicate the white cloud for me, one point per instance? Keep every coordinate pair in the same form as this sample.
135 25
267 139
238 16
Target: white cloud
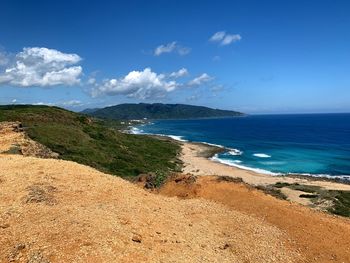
137 84
42 67
180 73
171 47
224 38
228 39
204 78
218 36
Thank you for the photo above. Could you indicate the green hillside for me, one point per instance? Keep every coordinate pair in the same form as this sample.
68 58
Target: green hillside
158 111
93 142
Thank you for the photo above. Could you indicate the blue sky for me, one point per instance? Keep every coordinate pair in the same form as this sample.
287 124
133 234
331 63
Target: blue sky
252 56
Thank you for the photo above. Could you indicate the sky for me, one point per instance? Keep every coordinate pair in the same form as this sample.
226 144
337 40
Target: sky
251 56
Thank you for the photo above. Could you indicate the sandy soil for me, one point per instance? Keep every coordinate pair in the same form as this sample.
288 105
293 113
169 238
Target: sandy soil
60 211
195 164
319 237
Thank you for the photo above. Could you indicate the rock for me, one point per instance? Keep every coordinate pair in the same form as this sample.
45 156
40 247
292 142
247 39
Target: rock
226 246
3 226
137 238
149 185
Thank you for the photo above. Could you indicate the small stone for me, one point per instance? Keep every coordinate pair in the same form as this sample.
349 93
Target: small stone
226 246
3 226
137 238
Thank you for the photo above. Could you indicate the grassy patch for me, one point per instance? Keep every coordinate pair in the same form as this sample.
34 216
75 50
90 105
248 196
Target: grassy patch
308 196
94 142
305 188
270 190
341 201
229 179
281 185
13 150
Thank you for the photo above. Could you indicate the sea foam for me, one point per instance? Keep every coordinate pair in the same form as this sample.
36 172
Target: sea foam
261 155
234 152
235 163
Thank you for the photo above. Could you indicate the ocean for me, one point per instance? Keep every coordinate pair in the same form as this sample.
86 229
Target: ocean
308 144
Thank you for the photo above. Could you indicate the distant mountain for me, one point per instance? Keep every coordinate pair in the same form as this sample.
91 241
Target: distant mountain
158 111
89 110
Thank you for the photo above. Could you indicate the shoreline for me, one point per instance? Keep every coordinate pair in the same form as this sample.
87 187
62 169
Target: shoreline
201 150
209 151
197 164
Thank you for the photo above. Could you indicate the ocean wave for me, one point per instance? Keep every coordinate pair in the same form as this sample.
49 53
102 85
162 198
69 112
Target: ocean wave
135 130
272 162
215 158
235 163
234 152
230 151
328 176
213 144
261 155
175 137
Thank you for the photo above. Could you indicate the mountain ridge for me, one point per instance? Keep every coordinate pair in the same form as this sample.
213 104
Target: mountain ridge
129 111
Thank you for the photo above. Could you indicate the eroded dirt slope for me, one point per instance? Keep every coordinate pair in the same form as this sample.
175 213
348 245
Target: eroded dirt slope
318 236
60 211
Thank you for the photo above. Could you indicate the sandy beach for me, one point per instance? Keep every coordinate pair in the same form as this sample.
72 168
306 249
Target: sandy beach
196 162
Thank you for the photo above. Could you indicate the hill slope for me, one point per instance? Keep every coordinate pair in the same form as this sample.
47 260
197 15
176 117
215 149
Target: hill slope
60 211
158 111
92 142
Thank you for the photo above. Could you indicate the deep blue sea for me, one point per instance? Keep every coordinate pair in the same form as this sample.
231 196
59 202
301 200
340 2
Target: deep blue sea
315 144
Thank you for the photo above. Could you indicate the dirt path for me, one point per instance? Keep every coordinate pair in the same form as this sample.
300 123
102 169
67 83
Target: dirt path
318 236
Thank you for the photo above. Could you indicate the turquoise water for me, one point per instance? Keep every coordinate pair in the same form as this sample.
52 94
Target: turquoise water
314 144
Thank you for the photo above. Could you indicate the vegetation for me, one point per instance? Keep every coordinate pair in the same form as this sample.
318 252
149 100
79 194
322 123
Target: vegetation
341 203
270 190
339 200
158 111
93 142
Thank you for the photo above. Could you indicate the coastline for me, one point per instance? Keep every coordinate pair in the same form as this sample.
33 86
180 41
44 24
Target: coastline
194 153
197 162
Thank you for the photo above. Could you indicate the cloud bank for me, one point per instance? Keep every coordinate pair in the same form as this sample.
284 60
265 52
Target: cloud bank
136 84
43 67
